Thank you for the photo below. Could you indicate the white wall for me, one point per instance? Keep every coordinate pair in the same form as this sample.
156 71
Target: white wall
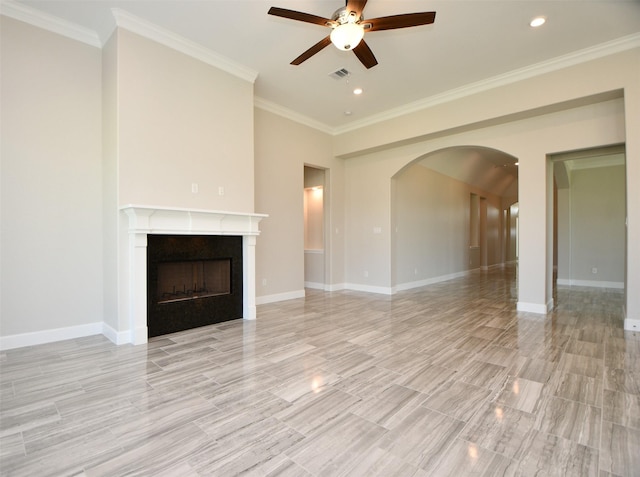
51 184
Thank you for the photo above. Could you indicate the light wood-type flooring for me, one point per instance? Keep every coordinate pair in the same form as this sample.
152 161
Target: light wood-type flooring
443 380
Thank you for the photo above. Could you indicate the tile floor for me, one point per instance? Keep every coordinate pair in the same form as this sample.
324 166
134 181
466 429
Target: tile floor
443 380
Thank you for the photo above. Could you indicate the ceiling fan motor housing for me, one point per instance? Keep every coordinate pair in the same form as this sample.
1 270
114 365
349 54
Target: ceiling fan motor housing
346 33
342 16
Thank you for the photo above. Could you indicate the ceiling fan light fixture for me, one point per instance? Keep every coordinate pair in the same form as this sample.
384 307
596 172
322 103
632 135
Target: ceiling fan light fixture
347 36
537 22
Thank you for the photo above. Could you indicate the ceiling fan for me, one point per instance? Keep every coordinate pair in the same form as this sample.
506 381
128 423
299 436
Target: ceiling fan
349 26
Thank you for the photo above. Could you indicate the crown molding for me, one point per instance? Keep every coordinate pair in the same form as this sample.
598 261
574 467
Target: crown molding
290 114
48 22
595 162
554 64
176 42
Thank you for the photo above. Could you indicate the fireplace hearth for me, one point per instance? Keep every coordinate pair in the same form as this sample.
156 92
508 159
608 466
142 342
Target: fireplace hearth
193 281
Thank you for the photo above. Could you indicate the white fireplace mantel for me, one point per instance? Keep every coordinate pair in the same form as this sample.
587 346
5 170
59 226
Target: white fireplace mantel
144 220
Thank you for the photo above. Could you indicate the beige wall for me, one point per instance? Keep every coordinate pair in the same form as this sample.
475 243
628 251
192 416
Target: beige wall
283 147
529 119
110 213
167 121
51 194
593 231
369 178
432 226
181 121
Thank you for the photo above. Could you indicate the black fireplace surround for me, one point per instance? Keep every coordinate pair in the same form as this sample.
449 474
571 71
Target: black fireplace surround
192 281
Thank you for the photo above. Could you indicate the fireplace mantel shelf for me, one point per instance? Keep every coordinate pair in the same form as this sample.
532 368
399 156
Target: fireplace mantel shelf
173 220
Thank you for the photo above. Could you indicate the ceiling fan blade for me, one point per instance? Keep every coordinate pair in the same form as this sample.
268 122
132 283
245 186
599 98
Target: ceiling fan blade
356 6
399 21
312 51
365 55
300 16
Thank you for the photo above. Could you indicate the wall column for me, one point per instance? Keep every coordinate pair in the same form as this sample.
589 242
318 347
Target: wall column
632 286
535 261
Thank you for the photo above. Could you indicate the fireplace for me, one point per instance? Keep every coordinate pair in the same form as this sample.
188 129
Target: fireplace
185 280
192 281
144 223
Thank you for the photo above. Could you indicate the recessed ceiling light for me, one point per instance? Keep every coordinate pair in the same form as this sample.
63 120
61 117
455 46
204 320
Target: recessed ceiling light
538 21
347 113
357 91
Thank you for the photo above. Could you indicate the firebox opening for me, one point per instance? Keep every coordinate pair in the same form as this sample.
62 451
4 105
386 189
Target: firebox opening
193 279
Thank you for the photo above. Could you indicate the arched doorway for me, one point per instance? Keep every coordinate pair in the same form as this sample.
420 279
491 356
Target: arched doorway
448 214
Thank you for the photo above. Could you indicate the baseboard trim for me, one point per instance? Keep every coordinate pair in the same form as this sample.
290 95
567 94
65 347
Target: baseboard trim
336 287
50 336
590 283
263 300
631 324
315 285
369 288
116 337
431 281
537 308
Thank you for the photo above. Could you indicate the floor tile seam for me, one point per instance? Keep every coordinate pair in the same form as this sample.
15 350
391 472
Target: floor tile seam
562 398
364 418
487 400
597 448
17 411
24 445
636 429
184 352
19 430
517 462
299 464
81 439
596 379
602 420
571 441
458 435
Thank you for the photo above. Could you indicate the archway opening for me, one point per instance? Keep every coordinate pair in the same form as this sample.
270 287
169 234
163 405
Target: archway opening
452 212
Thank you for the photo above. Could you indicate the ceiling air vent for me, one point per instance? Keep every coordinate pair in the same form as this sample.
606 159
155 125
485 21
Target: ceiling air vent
339 74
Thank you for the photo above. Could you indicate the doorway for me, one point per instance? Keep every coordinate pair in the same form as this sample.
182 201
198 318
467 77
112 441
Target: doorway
314 227
590 213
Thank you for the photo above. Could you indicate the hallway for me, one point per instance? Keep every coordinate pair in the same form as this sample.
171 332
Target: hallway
442 380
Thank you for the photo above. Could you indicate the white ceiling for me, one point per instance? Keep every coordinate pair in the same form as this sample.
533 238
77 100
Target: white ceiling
470 42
